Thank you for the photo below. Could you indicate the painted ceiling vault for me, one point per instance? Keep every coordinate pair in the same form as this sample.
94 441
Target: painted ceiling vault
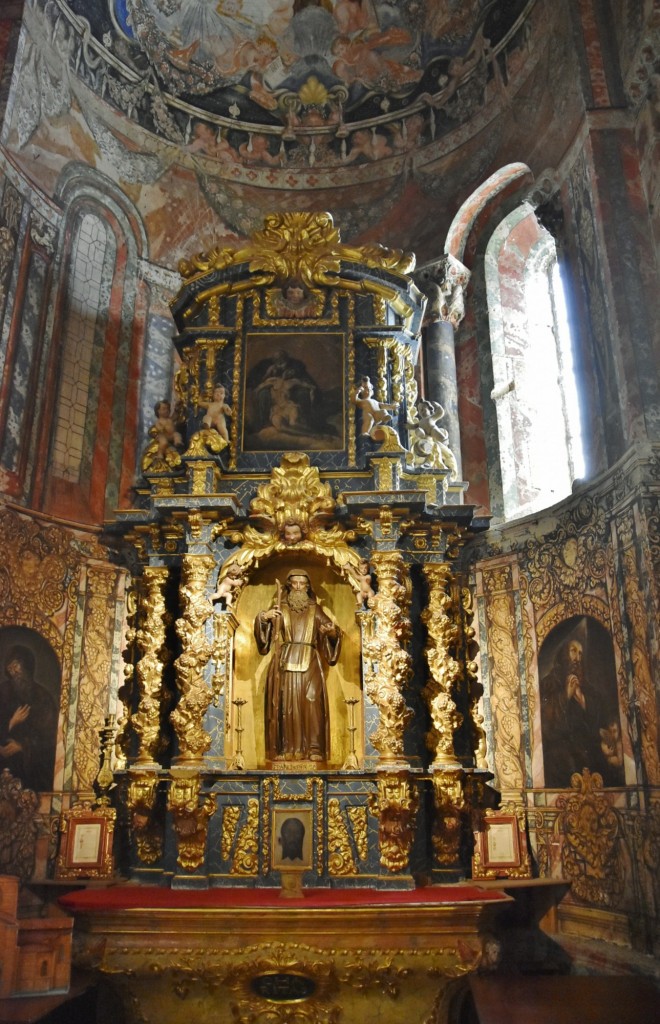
209 113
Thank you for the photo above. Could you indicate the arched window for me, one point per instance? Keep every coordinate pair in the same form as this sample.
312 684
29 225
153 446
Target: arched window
93 253
86 455
534 386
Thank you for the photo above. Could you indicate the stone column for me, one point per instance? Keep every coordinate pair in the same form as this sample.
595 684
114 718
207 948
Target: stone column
444 281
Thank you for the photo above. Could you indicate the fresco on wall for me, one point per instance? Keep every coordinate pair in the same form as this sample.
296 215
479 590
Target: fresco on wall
209 113
29 706
261 52
580 720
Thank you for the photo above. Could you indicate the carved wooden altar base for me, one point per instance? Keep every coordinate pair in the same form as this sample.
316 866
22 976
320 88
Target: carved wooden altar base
247 955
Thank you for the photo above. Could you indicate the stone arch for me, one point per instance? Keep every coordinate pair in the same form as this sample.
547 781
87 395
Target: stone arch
87 445
499 186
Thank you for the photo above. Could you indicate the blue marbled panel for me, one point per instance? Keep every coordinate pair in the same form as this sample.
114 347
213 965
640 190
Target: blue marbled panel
156 375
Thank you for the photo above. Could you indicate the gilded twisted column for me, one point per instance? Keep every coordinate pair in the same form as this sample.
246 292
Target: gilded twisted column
443 635
150 640
387 663
196 696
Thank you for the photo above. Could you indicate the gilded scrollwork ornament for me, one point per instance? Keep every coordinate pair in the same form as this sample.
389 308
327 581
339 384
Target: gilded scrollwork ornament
102 587
190 816
187 717
292 512
146 829
307 976
387 663
444 632
246 853
449 805
205 441
395 804
298 246
357 814
638 619
158 458
571 559
231 814
341 860
591 858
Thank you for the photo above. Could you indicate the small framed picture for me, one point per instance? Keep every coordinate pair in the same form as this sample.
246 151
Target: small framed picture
501 848
293 834
86 842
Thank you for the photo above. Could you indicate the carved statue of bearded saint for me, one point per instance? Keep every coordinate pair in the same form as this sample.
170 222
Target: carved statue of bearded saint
302 638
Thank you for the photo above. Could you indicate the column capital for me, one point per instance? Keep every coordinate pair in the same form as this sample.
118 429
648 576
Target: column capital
443 281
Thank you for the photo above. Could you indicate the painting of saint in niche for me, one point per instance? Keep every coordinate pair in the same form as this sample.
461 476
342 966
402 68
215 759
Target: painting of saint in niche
294 392
29 702
580 720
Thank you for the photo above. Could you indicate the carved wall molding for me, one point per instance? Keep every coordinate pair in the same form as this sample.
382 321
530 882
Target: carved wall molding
591 858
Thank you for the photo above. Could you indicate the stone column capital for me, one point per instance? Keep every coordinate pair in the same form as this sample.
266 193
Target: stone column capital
444 281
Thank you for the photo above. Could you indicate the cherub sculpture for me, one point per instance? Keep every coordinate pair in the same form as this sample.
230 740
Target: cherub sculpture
162 452
163 428
375 414
366 592
428 441
230 585
217 411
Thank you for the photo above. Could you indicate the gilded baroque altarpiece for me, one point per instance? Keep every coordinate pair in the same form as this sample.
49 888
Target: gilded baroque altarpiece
349 750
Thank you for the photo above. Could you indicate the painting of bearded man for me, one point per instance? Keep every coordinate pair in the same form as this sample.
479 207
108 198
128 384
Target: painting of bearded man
580 720
28 721
302 638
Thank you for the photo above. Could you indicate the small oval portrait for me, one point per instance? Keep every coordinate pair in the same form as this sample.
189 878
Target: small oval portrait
30 681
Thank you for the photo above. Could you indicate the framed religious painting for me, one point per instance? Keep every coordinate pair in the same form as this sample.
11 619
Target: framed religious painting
293 835
294 392
86 835
501 847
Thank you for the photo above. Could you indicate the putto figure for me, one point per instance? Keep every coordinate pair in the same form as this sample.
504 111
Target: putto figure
375 414
301 637
217 412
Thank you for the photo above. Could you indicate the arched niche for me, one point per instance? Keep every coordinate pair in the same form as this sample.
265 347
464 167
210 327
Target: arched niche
343 680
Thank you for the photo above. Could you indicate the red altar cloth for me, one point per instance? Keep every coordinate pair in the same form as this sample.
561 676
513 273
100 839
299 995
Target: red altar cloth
128 897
